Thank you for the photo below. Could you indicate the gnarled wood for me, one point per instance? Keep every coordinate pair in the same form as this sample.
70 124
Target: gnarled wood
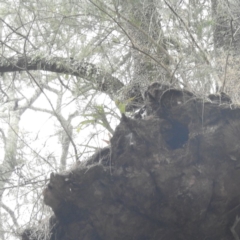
173 175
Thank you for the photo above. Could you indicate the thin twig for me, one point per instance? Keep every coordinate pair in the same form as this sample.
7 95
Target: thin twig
56 115
189 32
225 68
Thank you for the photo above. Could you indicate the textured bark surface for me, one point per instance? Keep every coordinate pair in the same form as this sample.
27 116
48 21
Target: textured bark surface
103 81
173 174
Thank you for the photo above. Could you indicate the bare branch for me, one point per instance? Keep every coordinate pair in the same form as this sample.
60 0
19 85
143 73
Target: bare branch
203 53
59 117
101 80
3 136
162 50
41 110
31 101
11 213
17 32
190 34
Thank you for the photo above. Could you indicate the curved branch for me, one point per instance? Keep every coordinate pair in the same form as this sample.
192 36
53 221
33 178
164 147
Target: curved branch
101 80
3 136
11 213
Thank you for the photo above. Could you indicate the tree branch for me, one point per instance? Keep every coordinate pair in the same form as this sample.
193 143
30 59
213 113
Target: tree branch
205 57
3 136
101 80
11 213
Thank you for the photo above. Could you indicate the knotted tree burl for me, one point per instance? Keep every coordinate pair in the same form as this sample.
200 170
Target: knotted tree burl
173 174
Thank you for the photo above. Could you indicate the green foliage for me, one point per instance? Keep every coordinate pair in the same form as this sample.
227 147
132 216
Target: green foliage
98 115
122 105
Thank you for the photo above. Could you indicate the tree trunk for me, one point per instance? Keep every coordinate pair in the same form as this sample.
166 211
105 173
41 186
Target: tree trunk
9 162
226 17
173 175
148 51
226 38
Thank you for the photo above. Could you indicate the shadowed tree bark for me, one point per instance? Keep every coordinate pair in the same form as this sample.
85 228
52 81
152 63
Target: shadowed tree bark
173 174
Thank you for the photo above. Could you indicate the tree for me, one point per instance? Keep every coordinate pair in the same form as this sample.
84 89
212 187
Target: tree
95 53
167 176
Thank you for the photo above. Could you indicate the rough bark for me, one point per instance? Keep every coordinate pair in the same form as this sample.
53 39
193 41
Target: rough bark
103 81
173 174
